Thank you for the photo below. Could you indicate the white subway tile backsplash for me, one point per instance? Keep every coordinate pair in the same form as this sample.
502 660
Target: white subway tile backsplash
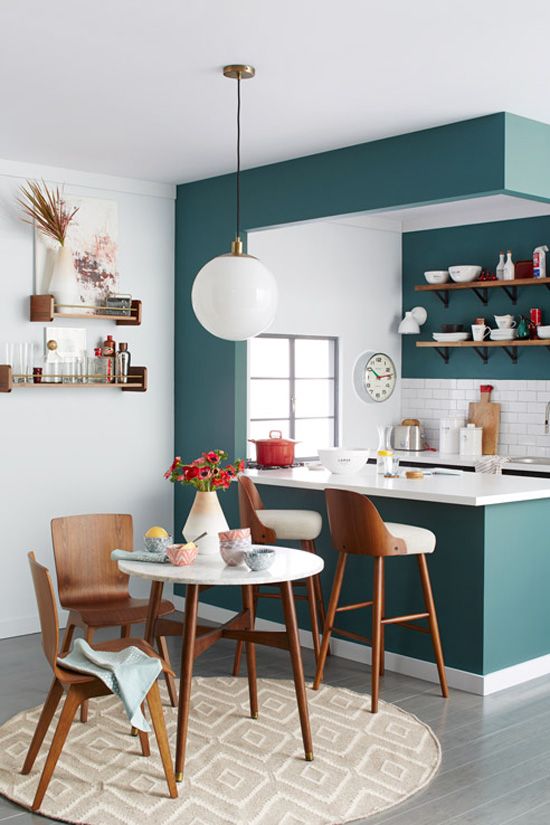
522 406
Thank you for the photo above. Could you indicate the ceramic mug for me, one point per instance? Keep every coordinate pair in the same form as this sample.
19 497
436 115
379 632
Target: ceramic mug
480 332
505 321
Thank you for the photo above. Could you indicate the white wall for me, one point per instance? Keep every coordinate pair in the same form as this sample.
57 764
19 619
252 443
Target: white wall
66 451
343 281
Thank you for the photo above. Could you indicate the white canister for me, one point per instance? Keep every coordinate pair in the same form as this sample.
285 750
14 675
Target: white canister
449 435
470 440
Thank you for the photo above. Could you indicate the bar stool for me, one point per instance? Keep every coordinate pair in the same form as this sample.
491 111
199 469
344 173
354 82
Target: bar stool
268 526
356 527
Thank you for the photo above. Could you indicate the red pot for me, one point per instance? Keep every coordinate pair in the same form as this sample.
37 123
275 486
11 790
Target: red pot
275 450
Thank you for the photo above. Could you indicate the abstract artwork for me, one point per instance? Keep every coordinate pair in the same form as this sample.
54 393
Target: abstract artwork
93 239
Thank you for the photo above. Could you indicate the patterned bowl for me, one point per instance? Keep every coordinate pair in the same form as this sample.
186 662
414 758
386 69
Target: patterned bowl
157 545
259 558
181 555
234 544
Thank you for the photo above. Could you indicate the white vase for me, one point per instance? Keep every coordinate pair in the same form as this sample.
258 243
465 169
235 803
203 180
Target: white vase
63 283
206 515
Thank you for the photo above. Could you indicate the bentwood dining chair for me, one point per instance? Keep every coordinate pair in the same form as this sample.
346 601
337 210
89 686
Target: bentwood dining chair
357 528
78 688
91 586
268 526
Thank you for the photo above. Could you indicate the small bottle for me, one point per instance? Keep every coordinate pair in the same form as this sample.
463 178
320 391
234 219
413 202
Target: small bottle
500 267
109 353
122 363
97 371
539 261
52 367
509 268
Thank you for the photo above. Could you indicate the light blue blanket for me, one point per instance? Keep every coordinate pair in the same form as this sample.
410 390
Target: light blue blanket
129 674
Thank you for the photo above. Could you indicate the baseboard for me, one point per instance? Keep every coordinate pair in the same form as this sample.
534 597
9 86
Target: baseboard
26 625
396 662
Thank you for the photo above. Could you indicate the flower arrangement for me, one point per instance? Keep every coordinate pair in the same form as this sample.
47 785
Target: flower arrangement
45 208
206 474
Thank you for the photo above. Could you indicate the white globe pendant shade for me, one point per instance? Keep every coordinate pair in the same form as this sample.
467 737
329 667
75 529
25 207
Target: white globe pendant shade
235 297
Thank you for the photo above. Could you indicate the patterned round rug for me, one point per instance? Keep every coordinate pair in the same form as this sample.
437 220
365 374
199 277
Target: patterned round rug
239 771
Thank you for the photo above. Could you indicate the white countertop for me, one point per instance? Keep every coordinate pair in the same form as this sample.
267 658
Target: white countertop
455 460
471 489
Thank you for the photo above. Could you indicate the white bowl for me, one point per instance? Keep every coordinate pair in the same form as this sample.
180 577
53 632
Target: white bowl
462 274
340 460
543 331
437 276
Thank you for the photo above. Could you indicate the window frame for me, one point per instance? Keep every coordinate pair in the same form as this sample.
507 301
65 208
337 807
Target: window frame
291 378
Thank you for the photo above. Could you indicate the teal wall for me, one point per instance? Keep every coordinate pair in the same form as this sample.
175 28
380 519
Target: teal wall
473 244
461 160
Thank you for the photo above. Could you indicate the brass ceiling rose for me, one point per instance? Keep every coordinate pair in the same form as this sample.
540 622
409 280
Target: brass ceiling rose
238 71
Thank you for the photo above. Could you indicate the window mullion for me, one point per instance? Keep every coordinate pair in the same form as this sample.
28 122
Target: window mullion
292 387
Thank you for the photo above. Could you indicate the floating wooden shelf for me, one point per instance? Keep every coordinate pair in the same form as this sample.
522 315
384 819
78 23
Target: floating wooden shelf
44 309
137 382
480 288
481 348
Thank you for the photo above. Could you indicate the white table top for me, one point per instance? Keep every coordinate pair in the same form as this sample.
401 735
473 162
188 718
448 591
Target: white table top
471 489
438 459
289 565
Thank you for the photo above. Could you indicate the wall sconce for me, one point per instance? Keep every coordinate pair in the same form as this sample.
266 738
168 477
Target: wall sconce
413 320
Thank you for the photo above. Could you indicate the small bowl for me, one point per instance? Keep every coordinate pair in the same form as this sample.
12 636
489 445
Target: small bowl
437 276
157 545
180 555
259 558
543 331
464 273
233 544
342 460
452 327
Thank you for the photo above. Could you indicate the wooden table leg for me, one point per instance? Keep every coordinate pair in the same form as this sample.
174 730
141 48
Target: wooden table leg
152 612
248 604
187 658
297 667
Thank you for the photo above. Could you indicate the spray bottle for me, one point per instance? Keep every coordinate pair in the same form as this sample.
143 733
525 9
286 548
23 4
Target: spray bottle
539 261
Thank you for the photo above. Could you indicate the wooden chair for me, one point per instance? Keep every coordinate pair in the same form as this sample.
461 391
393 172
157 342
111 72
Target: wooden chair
356 527
91 586
266 527
79 688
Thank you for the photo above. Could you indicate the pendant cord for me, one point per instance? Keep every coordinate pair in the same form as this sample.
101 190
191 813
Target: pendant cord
238 157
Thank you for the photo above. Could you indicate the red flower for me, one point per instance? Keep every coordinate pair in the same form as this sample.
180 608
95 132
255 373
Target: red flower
212 457
190 472
205 472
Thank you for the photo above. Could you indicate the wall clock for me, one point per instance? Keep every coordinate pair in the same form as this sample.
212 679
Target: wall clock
374 376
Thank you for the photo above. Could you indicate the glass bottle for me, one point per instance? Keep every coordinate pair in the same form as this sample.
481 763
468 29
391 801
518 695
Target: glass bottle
500 267
509 267
52 369
384 446
122 364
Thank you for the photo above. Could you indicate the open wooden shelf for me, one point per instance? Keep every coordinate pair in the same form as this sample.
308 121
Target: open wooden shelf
480 288
137 382
481 348
44 310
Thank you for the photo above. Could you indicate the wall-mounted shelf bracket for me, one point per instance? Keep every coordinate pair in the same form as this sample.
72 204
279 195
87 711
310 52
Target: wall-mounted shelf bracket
512 353
512 293
443 352
483 353
444 298
482 294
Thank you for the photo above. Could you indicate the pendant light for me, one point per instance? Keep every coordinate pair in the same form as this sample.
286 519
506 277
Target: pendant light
234 296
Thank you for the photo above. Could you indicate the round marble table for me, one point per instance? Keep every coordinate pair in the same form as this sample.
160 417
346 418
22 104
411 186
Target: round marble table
210 571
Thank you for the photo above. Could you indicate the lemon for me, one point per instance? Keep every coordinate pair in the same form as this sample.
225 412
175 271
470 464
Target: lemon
156 533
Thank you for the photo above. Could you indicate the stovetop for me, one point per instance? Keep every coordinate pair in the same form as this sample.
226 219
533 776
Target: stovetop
253 465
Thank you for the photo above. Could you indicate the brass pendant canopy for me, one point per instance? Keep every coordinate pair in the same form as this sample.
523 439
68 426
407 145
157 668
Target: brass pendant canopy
238 71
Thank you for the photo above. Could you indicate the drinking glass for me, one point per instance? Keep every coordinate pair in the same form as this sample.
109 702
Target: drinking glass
22 363
391 466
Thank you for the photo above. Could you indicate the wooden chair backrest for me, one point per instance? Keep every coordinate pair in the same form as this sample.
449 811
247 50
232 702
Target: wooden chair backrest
249 502
82 546
357 527
47 609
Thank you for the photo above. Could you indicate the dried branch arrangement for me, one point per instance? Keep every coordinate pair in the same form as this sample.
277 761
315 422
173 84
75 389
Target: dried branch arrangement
46 209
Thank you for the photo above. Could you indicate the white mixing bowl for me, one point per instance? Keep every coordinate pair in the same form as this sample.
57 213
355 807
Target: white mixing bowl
463 274
340 460
437 276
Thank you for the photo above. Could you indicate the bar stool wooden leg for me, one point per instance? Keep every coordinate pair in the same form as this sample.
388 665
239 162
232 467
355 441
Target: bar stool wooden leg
331 613
188 656
376 629
383 613
84 706
312 604
309 547
249 604
297 667
432 619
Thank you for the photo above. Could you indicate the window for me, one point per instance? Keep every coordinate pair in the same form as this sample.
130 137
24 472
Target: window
293 387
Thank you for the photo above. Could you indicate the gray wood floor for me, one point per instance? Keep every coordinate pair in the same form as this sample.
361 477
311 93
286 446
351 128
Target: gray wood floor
496 750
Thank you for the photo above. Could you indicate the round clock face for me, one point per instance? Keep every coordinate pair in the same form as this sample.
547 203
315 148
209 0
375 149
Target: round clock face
375 376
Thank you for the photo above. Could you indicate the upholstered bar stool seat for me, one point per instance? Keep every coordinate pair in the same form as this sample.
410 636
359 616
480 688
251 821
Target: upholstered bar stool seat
270 526
417 539
292 525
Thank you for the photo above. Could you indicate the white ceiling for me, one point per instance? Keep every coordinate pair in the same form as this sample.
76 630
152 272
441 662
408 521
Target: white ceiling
133 87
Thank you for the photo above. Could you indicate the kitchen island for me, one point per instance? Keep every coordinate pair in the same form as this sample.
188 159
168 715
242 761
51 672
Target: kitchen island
490 571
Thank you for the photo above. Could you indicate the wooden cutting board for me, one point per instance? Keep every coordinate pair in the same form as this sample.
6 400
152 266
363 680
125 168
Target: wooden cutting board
486 414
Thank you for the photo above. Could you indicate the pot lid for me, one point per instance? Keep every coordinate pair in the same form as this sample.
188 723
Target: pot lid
275 437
